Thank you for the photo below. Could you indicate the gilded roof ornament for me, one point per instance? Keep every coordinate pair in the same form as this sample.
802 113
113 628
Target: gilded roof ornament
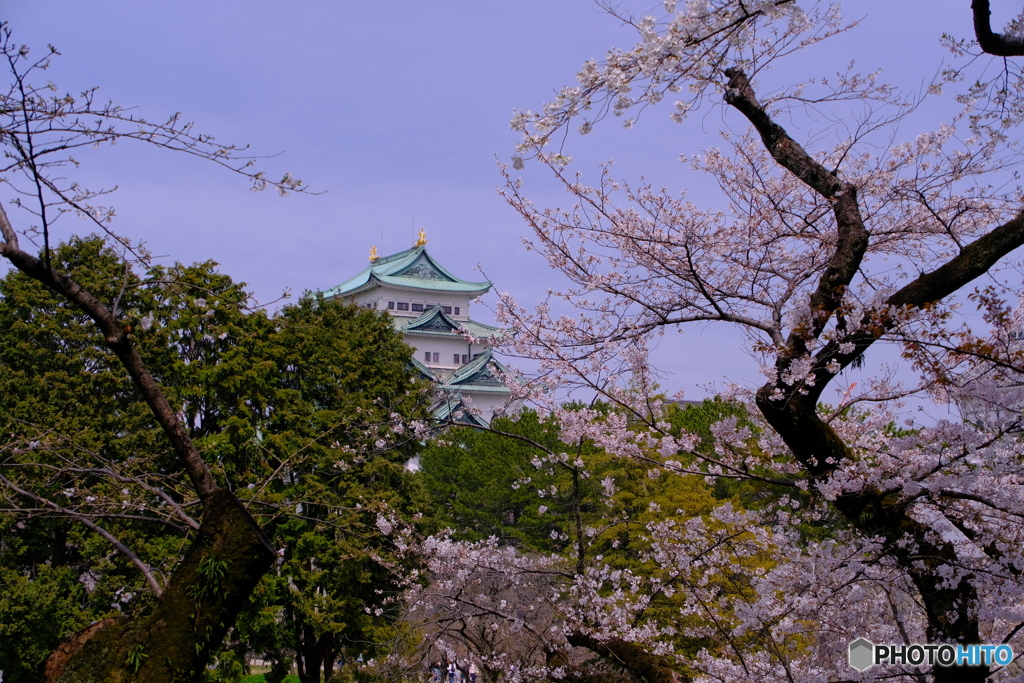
373 254
422 241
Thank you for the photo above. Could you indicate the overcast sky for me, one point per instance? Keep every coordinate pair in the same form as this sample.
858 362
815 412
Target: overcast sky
396 111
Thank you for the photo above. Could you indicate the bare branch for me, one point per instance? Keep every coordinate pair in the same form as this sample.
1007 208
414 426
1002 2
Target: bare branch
86 521
117 340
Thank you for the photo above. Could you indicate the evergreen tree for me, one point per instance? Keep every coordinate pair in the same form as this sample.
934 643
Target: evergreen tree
292 412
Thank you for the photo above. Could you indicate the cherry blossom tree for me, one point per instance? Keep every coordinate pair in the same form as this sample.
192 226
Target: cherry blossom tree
894 529
505 601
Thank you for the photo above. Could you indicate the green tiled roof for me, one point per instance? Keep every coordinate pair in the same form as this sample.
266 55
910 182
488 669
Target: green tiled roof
413 268
445 411
480 374
434 322
423 370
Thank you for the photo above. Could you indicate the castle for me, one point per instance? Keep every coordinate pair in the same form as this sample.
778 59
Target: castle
430 307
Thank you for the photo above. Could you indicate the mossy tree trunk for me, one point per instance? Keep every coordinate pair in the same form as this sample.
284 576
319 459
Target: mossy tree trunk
174 641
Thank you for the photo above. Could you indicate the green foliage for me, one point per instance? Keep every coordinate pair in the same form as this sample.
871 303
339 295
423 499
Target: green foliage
211 573
37 610
698 418
750 494
228 667
490 483
136 658
347 377
485 484
596 508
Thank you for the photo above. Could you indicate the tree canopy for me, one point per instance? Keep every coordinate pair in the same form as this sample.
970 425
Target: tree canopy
293 411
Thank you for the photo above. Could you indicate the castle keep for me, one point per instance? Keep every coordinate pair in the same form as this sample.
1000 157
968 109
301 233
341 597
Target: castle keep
430 307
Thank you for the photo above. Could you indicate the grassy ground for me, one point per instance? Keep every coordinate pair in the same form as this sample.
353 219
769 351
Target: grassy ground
258 678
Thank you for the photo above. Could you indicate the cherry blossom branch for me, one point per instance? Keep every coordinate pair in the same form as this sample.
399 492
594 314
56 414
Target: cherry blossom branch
70 468
852 236
978 498
78 514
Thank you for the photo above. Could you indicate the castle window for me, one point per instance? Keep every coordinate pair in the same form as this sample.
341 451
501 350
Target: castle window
446 309
391 305
456 310
417 307
456 359
465 358
402 306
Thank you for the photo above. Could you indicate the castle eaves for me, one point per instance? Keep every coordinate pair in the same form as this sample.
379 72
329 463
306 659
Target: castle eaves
435 323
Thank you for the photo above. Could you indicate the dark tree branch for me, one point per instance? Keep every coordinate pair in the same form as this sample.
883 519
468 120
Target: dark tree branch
791 408
997 44
972 262
852 234
631 657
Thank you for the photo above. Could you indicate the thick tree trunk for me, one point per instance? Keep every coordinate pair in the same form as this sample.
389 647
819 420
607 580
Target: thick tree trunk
950 618
330 655
173 642
315 654
950 610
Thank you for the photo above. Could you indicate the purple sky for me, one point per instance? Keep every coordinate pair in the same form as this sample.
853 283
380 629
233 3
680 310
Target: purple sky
396 111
